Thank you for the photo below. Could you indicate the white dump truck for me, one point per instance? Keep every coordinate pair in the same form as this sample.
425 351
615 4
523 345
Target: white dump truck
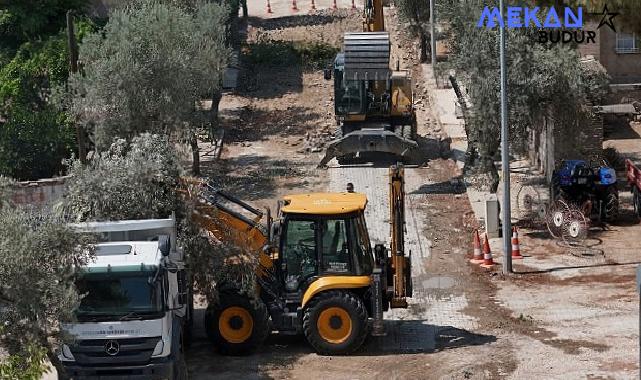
136 312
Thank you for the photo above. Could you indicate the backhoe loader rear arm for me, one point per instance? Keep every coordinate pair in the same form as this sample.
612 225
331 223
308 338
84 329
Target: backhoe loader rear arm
401 264
223 223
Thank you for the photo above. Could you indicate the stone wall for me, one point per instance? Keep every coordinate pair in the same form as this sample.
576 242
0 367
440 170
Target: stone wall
39 193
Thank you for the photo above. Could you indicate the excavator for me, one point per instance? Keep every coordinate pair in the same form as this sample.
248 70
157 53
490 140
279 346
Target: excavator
373 105
317 272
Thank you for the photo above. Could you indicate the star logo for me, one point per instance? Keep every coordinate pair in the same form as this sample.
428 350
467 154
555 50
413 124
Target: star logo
606 18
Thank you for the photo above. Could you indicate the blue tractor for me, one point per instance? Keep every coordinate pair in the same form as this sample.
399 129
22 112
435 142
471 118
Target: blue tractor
591 186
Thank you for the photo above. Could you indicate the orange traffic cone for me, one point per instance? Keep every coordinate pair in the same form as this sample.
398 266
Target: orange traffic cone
294 7
488 262
269 7
477 256
334 6
516 248
313 5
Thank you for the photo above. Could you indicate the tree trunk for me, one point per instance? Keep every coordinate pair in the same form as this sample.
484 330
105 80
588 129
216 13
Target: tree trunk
55 361
213 112
195 153
424 46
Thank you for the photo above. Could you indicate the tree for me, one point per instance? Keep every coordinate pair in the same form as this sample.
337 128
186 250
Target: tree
38 257
34 136
138 180
31 20
133 179
417 13
541 78
147 69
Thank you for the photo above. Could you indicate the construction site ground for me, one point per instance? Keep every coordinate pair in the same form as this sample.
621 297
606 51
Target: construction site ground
563 315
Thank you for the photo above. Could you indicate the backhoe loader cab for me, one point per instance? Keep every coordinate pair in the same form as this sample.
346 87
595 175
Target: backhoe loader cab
323 234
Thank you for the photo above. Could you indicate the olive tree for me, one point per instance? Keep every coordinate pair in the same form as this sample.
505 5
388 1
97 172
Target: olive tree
541 78
38 257
417 14
147 70
140 179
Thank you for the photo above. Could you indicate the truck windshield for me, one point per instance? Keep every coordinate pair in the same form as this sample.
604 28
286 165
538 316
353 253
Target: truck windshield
120 295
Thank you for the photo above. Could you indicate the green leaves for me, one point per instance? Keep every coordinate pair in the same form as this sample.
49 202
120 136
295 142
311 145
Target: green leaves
38 253
33 144
130 180
145 71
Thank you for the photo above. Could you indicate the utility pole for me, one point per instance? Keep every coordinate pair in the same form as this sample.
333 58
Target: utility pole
433 37
73 68
505 155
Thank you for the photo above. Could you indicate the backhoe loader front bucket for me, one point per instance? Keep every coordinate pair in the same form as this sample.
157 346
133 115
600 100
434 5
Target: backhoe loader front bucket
369 140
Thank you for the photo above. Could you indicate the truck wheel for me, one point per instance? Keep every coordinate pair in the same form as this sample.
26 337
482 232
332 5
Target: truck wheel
238 324
335 323
180 367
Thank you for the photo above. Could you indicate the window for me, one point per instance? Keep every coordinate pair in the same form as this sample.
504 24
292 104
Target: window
299 252
627 43
119 294
364 250
336 251
349 94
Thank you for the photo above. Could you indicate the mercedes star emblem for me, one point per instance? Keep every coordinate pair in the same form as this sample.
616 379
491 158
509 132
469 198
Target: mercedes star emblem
112 348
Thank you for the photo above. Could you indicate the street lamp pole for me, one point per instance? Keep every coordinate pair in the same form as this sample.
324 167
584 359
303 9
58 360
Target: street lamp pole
505 155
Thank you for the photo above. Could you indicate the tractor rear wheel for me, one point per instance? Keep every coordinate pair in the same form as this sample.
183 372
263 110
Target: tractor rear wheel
237 324
335 323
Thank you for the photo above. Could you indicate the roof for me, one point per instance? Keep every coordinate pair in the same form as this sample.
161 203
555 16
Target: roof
126 255
324 203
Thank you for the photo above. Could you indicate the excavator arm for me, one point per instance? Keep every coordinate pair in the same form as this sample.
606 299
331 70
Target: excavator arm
401 264
373 20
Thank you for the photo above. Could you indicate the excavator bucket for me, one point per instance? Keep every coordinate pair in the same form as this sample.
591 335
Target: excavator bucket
367 56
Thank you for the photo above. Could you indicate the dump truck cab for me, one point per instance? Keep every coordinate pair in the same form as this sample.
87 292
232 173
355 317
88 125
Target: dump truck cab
135 314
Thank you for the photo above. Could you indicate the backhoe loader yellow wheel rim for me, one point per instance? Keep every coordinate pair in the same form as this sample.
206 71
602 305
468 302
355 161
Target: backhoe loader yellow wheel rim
334 325
235 324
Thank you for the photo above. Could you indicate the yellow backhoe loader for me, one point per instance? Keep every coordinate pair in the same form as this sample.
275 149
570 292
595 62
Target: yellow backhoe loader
318 273
373 104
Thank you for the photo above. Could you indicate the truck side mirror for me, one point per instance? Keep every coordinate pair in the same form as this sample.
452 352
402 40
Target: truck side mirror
164 245
327 74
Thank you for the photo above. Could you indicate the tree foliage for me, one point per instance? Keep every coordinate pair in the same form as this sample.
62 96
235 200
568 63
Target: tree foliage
34 136
145 71
38 256
129 180
138 180
30 20
417 13
540 78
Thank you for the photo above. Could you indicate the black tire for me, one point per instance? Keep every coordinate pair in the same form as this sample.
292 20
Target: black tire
189 324
250 308
336 300
346 159
180 367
